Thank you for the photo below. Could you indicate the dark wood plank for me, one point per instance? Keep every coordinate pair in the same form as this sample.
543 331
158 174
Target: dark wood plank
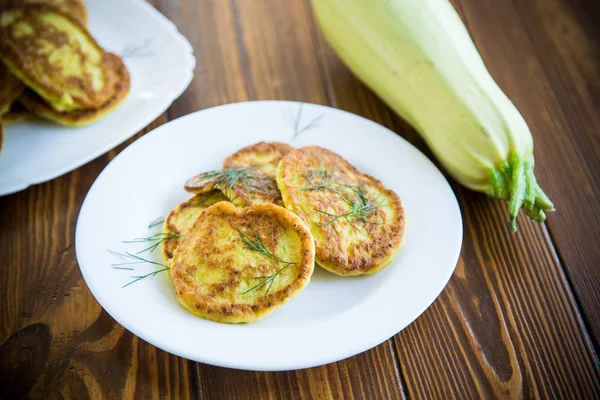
370 375
219 78
55 340
507 324
566 44
554 49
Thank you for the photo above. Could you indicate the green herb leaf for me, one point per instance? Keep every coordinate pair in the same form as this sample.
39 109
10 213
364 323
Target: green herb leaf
255 243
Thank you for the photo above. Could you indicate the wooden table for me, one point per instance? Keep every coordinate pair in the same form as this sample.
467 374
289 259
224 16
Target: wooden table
519 318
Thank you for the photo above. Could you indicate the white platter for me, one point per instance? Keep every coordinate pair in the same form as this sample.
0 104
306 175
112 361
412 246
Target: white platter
161 63
334 317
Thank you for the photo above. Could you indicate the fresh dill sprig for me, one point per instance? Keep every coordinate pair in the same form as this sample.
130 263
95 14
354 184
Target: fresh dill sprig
361 209
137 260
156 222
256 244
321 172
155 239
140 277
130 256
325 180
297 119
361 206
227 179
266 280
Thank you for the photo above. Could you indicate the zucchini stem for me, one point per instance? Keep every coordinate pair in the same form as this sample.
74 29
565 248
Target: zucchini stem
514 181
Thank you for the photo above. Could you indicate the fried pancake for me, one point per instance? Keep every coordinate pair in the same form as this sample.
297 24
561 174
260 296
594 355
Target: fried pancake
237 265
261 160
182 218
264 156
357 223
243 186
37 106
56 57
10 89
74 8
247 177
14 114
205 182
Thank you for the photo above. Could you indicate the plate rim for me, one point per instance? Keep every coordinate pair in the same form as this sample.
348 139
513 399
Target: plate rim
185 81
289 366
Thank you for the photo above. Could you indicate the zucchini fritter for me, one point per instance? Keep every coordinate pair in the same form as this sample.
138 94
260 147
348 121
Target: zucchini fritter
182 218
247 177
37 106
260 160
357 223
237 265
56 57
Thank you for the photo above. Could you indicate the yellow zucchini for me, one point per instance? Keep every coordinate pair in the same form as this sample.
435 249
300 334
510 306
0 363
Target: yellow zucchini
419 58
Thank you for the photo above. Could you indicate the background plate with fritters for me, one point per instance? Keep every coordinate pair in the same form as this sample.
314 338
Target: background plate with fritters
56 56
160 62
334 317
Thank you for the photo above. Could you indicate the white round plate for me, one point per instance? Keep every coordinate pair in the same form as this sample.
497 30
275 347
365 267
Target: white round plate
334 317
161 63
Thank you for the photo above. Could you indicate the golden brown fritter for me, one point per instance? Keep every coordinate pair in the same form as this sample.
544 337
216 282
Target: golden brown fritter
205 182
10 89
37 106
357 223
264 156
56 57
260 160
237 265
74 8
247 177
182 218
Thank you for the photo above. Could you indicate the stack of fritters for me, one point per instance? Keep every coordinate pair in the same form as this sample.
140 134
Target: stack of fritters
235 254
53 67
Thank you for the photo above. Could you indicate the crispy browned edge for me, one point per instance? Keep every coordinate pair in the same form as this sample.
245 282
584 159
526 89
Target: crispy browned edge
170 245
80 13
283 148
327 260
76 8
12 57
38 106
240 313
242 195
205 187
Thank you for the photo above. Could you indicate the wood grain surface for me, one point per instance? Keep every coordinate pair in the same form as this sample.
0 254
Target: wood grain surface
520 318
